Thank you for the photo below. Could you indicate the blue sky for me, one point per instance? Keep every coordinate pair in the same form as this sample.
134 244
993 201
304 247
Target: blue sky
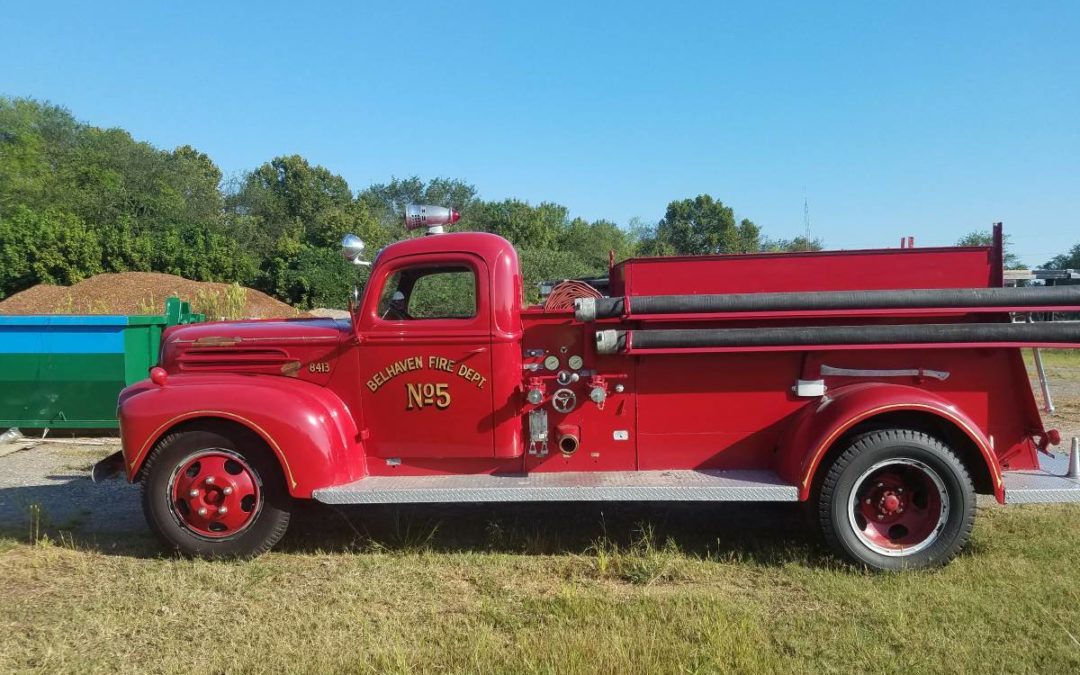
892 118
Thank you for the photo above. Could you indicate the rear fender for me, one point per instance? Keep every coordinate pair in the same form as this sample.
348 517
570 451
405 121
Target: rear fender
821 424
310 429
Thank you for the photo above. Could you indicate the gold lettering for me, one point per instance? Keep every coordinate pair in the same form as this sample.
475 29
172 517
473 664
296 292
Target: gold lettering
415 397
442 396
418 396
424 394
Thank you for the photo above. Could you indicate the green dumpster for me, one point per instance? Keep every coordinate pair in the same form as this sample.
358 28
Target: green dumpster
66 371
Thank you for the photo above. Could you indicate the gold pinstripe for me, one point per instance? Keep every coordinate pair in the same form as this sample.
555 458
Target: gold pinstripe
974 435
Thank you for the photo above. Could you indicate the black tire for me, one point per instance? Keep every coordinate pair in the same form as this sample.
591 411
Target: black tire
899 457
269 512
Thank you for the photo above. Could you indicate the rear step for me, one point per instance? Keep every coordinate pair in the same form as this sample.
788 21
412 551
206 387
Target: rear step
1049 483
713 486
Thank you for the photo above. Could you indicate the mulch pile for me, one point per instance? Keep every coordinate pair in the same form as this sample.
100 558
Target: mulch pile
133 293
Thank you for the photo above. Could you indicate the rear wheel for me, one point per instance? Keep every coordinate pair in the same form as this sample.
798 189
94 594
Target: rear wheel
214 495
897 499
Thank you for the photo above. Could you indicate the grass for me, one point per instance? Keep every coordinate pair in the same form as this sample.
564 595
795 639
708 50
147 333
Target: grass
545 588
1059 363
558 588
225 305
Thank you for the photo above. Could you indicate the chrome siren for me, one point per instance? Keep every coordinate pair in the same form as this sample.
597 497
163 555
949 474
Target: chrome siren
431 217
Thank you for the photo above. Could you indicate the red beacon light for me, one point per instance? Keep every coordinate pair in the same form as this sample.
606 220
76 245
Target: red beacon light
431 217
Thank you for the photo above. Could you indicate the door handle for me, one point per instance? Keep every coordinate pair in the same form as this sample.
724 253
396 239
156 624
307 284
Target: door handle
478 350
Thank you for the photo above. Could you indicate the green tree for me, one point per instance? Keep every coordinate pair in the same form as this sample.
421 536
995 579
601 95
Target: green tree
289 198
292 216
700 226
986 238
1065 261
124 201
770 245
593 242
524 225
45 247
35 139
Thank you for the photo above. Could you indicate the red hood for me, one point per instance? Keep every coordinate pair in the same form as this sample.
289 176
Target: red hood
270 347
259 331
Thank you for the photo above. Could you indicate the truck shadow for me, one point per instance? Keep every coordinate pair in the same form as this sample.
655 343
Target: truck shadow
771 534
108 519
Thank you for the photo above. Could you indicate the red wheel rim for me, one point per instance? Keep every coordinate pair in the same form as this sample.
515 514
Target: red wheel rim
898 507
215 493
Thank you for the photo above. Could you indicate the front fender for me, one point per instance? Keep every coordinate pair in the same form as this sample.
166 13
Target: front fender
309 428
822 423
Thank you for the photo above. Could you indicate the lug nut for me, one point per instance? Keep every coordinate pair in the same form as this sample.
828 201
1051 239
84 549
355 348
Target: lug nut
880 517
226 490
209 480
202 511
867 502
194 493
223 510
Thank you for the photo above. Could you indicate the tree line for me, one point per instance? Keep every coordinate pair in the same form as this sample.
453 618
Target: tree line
78 200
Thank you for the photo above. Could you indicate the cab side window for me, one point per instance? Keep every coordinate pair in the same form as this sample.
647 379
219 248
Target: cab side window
429 293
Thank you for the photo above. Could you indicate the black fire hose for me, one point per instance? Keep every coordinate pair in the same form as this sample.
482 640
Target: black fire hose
615 341
589 309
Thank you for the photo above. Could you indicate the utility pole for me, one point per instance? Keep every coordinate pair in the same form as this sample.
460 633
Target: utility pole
806 219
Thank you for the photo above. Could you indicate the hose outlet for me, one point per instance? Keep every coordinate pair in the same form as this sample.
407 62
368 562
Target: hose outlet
569 438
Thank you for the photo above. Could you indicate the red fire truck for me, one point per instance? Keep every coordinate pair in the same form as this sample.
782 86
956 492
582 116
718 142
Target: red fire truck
884 388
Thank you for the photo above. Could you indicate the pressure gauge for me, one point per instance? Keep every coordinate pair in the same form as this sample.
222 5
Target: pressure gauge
551 362
575 362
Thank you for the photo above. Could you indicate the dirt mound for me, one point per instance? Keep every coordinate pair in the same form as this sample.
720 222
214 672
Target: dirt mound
145 293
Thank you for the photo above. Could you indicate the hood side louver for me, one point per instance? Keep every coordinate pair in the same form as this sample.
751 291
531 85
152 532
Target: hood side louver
271 361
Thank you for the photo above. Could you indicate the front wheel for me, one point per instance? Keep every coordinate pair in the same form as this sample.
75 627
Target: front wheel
897 499
216 496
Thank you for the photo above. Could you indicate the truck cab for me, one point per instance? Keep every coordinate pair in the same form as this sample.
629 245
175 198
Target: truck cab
438 336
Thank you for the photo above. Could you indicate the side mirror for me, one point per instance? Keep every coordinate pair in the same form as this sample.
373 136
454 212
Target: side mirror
352 247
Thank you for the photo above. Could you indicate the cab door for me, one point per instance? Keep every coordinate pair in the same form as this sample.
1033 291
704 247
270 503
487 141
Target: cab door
425 358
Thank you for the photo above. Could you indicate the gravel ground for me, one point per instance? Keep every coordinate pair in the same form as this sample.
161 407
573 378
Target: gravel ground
53 476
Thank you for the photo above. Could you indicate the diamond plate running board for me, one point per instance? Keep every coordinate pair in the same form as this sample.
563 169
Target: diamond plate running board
713 486
1045 485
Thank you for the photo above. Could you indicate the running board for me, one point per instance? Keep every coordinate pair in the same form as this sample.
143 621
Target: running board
710 486
1045 485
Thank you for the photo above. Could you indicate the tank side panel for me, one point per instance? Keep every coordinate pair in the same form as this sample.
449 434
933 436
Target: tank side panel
714 411
989 387
883 269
